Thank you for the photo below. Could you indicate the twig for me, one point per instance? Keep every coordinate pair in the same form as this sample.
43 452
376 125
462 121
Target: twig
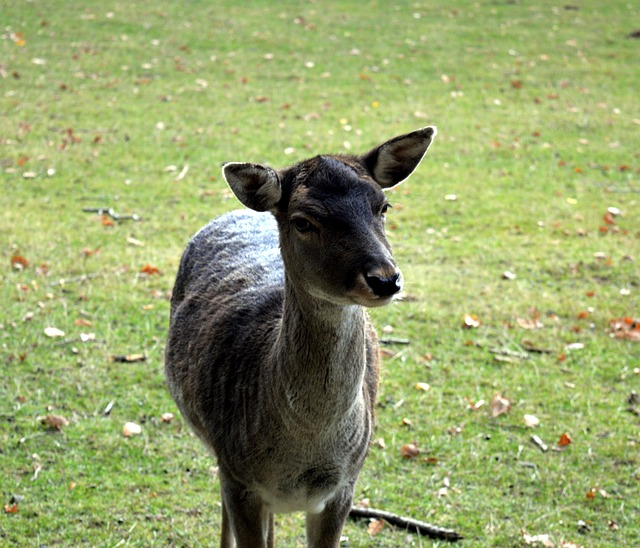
527 346
412 525
393 340
509 353
75 279
111 213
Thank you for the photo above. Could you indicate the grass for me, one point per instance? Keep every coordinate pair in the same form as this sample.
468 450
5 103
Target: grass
135 105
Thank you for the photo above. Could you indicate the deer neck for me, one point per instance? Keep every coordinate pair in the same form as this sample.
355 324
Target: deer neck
321 358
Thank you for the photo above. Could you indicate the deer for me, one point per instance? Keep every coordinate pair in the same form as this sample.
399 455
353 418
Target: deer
271 357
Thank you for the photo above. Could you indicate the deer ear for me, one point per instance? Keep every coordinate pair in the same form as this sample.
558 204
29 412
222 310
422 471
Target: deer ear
255 185
392 162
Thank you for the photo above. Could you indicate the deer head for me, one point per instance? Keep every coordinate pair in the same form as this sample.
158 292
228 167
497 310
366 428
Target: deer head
331 213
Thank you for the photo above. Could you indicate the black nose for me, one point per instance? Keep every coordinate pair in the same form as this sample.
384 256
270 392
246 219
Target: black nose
384 286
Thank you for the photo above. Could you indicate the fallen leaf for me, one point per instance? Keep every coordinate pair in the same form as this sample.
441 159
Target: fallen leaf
107 221
379 443
131 429
474 406
18 262
11 508
88 252
375 527
529 323
470 321
499 405
531 421
564 440
55 422
53 332
425 387
410 450
575 346
149 270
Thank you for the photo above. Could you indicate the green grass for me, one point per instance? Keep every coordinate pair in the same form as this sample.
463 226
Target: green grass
538 135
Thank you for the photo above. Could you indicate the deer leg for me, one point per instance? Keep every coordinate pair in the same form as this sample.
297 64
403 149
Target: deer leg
271 538
226 536
324 529
243 518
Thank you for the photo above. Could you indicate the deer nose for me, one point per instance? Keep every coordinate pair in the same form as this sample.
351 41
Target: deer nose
384 286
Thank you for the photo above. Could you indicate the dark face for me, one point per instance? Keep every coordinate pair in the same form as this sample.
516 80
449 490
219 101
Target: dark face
332 233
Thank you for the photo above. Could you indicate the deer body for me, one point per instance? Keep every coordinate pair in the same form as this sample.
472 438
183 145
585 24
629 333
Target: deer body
271 358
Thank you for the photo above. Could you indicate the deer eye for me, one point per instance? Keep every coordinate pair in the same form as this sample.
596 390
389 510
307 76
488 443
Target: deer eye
302 225
384 209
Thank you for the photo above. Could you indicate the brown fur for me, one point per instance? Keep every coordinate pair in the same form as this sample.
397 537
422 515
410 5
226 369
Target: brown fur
271 357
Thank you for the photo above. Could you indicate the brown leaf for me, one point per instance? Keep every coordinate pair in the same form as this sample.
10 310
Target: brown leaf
410 450
564 440
149 270
82 322
499 405
18 262
88 252
11 508
375 527
54 422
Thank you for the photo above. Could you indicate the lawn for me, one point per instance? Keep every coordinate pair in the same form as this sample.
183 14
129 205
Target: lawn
518 237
